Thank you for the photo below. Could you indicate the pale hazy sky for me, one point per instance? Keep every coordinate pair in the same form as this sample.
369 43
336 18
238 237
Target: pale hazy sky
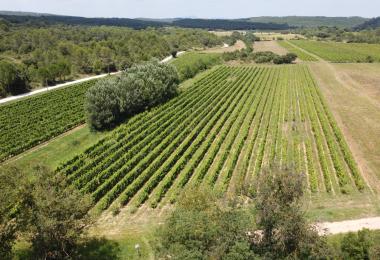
196 8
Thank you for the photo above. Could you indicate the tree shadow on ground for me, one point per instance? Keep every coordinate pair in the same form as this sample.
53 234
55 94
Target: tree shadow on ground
99 248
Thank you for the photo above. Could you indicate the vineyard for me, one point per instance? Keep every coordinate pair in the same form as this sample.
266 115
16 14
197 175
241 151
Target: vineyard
221 132
341 52
301 54
28 122
189 64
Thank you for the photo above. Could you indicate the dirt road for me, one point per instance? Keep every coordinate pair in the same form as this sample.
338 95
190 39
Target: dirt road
331 228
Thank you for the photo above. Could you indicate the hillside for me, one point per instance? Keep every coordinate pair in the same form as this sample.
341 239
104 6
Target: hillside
370 24
311 21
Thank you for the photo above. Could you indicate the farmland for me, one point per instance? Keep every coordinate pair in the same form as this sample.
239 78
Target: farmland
341 52
301 54
221 132
28 122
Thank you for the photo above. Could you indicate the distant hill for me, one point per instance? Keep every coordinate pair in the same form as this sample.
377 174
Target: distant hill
311 21
75 20
255 23
225 24
370 24
24 13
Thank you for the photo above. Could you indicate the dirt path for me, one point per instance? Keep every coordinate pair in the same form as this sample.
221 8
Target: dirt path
331 228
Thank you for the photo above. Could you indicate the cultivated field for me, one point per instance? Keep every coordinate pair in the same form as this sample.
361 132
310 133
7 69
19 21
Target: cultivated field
30 121
300 53
221 132
269 46
341 52
353 93
270 36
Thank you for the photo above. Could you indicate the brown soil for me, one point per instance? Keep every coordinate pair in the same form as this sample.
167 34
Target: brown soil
238 46
269 46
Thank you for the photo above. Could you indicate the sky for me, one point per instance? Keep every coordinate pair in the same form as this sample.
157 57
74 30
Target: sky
196 8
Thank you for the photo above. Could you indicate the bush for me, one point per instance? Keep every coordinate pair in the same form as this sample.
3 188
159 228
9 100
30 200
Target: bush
356 245
200 228
113 99
285 59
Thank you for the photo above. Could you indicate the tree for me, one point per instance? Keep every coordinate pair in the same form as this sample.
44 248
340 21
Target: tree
12 186
13 79
103 103
143 86
55 214
201 228
356 245
278 196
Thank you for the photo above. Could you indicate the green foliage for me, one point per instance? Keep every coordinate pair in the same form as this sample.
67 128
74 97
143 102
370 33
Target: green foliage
144 86
12 186
356 245
199 228
278 196
208 134
53 53
190 64
55 215
341 52
300 54
30 121
44 211
13 79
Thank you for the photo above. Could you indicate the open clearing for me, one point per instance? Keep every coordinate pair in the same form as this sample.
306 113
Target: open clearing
269 46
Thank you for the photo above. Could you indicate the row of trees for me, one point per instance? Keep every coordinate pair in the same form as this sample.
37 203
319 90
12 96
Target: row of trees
143 86
54 53
342 35
247 55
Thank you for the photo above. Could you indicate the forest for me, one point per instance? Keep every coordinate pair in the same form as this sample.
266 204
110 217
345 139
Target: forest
50 54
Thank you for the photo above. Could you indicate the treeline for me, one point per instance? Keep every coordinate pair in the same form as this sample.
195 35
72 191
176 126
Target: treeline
75 20
373 23
56 53
342 35
225 24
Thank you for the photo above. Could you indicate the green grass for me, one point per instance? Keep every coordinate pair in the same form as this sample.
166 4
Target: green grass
191 63
58 150
340 52
301 54
30 121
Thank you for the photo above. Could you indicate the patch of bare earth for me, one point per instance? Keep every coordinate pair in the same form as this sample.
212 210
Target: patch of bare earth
351 92
272 46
